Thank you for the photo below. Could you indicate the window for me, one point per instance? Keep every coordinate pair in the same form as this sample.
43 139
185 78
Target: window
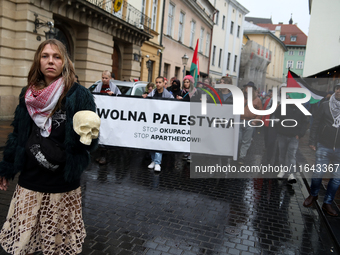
177 71
228 61
154 14
231 27
181 26
238 31
216 20
235 62
290 53
192 33
282 37
220 58
166 70
301 53
290 63
170 18
293 38
213 56
143 12
201 40
299 65
207 45
223 21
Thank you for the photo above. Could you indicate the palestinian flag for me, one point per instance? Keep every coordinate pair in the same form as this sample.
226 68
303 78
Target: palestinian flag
194 68
295 81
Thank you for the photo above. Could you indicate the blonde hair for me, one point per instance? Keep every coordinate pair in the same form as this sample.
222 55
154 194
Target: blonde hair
36 77
107 72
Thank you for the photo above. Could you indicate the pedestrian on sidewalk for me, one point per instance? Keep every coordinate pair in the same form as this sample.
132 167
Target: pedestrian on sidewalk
295 126
45 213
324 138
159 92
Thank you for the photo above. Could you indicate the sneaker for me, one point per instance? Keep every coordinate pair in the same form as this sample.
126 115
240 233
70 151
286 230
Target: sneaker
152 165
157 167
280 175
189 158
241 161
291 179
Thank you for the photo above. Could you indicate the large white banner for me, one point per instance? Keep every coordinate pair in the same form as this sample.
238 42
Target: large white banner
167 125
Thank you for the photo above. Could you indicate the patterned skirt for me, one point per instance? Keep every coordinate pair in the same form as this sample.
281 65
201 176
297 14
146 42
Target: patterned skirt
47 222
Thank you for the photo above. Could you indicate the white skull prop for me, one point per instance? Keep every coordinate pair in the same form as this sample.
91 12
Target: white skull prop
86 124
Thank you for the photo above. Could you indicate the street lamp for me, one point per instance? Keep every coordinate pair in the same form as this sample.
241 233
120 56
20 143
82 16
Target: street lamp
148 64
184 62
38 24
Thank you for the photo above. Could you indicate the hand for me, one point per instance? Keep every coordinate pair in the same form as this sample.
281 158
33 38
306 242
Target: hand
179 97
110 93
144 95
3 183
312 147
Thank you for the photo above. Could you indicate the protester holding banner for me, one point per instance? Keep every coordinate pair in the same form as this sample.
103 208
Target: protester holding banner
325 139
189 92
107 85
148 88
158 92
246 130
45 213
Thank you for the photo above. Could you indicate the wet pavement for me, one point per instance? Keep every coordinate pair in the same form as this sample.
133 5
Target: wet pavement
129 209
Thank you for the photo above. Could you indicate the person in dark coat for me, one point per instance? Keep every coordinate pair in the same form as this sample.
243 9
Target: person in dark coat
324 138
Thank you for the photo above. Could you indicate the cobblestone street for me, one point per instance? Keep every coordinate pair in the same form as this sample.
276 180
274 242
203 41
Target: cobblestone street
129 209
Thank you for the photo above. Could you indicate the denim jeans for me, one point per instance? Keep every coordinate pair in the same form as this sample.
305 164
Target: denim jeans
287 150
325 155
156 157
245 136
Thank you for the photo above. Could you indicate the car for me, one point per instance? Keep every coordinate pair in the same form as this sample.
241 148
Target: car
126 87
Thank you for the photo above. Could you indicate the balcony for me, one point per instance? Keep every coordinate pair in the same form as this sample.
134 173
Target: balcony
127 13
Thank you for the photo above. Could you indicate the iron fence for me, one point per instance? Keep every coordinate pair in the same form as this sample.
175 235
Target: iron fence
127 12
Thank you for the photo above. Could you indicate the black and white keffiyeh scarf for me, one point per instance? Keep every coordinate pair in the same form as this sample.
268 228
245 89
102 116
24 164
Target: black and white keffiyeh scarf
334 106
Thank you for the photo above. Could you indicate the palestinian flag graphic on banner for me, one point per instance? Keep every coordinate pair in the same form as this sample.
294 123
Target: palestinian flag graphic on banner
295 81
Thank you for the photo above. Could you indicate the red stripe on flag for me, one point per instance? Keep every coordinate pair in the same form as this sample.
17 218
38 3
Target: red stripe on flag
291 82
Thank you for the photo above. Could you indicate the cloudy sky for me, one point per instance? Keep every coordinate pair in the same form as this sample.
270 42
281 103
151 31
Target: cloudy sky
280 10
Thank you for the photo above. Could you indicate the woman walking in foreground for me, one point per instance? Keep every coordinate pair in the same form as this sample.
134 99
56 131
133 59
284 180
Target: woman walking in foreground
45 213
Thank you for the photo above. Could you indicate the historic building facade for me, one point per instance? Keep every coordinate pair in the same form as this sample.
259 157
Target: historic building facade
227 39
98 35
184 23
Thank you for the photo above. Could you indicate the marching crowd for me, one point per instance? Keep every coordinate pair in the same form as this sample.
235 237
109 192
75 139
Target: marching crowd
324 126
45 212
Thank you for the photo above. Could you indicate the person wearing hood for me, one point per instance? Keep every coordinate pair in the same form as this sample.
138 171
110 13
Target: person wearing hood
176 88
324 138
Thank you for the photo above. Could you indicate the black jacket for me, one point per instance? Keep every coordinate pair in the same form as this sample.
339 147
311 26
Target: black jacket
78 98
322 130
292 112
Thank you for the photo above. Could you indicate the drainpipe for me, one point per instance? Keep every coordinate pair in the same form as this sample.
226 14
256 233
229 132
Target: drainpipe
161 41
211 36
